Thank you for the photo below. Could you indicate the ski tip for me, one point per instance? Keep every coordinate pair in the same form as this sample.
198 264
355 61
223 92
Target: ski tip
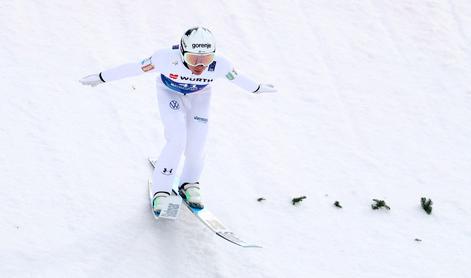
251 246
231 237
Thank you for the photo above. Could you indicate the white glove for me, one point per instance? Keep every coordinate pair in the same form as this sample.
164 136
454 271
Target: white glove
265 88
92 80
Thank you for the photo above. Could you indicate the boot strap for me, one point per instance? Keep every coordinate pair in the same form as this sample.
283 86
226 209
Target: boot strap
164 192
188 185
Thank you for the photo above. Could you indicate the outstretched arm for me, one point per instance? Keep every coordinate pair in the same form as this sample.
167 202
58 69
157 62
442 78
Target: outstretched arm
119 72
244 81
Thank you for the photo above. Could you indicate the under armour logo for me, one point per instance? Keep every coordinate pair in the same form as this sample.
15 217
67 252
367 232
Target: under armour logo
167 172
174 105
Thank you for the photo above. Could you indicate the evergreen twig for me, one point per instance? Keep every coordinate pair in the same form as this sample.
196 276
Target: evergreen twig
379 204
426 205
298 199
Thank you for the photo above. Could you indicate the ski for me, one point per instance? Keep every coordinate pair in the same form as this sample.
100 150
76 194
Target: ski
213 223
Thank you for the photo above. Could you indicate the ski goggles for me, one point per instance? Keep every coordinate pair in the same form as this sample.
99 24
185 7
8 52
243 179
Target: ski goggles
195 59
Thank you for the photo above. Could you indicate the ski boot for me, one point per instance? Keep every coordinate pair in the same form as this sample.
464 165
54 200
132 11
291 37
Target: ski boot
190 192
157 201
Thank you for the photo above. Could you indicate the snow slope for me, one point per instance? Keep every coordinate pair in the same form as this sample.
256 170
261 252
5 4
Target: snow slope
374 102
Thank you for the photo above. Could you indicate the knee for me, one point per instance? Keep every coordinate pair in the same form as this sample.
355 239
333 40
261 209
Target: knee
176 140
194 152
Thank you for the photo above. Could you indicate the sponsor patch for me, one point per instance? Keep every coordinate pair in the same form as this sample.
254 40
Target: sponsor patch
147 68
147 61
175 46
173 76
183 88
174 105
147 64
200 119
201 45
197 79
167 172
212 67
231 75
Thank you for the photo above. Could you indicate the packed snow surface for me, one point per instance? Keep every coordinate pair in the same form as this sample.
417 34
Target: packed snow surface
373 102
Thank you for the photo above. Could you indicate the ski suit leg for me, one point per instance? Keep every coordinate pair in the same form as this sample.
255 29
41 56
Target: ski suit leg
172 113
197 130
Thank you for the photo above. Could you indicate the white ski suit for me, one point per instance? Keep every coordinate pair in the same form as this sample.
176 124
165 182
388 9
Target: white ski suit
184 105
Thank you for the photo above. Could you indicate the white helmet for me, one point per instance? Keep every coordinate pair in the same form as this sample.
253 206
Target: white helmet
198 40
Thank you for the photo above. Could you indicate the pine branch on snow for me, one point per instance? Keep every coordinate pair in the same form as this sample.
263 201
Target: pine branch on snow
298 199
379 204
426 205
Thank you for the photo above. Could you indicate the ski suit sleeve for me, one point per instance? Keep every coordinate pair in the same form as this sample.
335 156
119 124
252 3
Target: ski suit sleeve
240 79
130 69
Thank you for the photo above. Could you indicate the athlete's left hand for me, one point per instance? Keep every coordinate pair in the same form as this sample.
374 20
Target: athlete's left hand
265 88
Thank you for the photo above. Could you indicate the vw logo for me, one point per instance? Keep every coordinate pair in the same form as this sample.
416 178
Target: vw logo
174 105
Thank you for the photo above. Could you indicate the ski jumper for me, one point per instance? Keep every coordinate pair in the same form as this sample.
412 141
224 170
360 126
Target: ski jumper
183 100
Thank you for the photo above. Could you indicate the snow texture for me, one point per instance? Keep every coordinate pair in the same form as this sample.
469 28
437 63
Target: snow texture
374 101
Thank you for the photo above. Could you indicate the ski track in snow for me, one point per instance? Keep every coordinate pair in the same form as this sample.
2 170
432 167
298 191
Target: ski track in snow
374 101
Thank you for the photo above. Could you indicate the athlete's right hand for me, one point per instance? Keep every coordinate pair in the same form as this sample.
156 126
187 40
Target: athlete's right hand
265 88
92 80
